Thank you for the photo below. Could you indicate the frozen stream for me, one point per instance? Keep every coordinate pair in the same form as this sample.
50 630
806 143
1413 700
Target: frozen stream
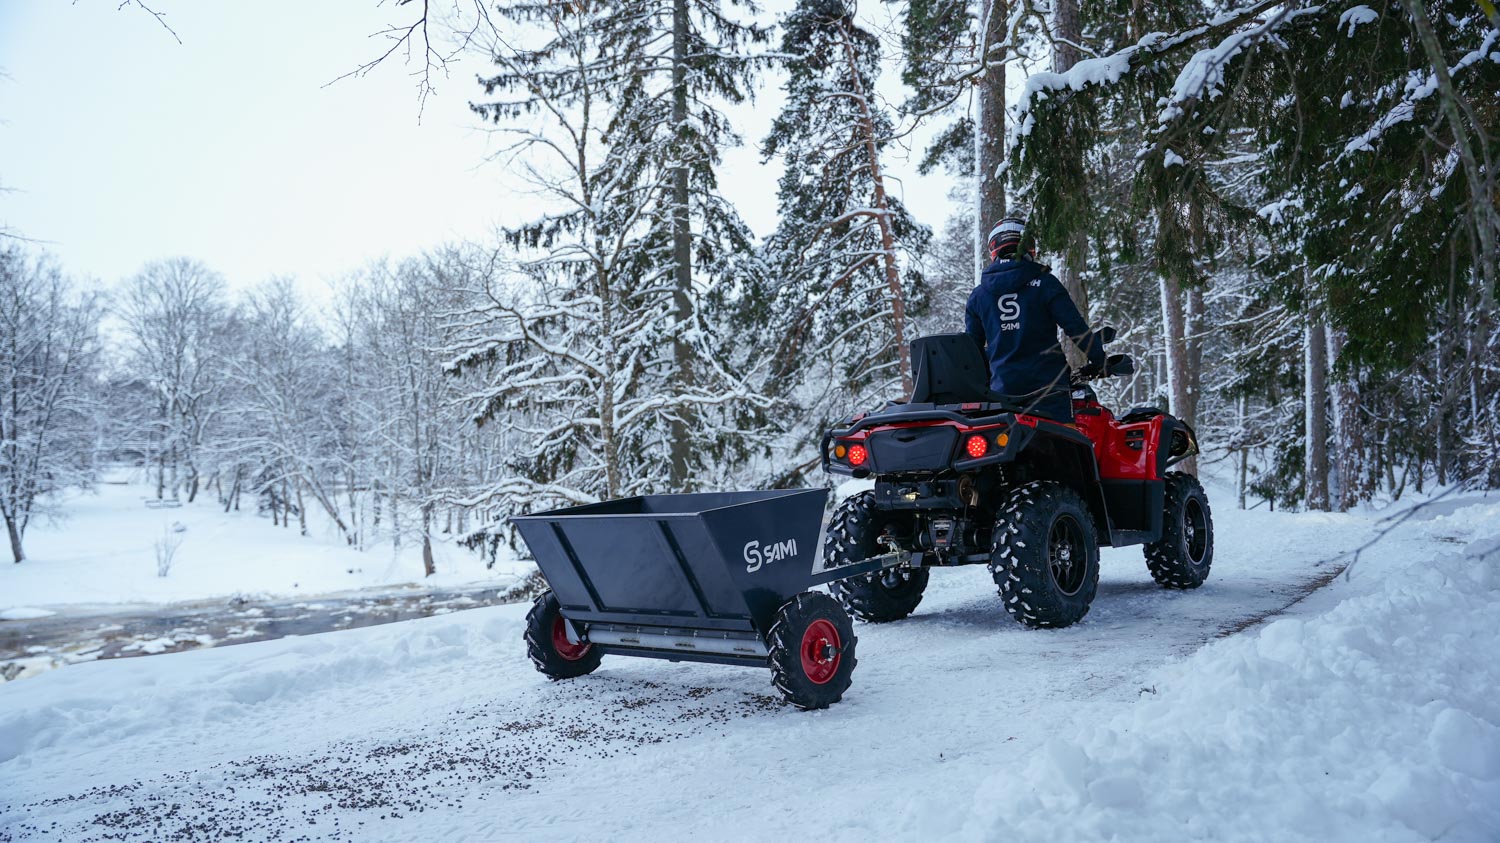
79 634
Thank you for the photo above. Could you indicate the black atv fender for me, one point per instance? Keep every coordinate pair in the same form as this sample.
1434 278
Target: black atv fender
1060 453
1178 442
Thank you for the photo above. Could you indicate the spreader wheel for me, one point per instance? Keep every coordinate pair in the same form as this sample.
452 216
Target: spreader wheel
548 645
812 650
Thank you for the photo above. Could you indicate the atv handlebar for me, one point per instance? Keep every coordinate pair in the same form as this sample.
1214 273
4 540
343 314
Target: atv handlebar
1115 365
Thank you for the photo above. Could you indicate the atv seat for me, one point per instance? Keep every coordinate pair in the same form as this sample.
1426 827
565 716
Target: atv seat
949 369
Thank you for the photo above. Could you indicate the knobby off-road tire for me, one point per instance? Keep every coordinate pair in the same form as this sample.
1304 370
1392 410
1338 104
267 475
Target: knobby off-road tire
1046 557
852 536
812 650
1183 555
547 642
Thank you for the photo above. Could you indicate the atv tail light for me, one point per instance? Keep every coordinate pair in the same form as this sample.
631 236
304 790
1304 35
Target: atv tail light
976 446
839 451
858 455
1002 440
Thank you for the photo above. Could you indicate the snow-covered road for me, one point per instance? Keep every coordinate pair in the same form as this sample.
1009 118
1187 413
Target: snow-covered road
439 729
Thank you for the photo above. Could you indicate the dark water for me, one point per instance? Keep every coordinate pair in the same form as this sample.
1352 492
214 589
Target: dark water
31 646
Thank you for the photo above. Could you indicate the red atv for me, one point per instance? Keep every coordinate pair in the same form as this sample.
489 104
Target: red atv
965 476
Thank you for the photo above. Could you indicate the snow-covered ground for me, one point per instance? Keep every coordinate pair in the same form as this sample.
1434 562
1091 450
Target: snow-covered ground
103 551
1366 711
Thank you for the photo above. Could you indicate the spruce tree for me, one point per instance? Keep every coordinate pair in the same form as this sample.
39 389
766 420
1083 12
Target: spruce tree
575 326
837 279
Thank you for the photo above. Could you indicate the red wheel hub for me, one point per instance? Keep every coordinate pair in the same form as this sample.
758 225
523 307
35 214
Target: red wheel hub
820 651
565 648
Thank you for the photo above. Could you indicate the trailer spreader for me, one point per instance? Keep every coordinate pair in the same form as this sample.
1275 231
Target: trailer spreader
720 577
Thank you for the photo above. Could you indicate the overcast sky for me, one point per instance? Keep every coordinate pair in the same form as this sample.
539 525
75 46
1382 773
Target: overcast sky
121 145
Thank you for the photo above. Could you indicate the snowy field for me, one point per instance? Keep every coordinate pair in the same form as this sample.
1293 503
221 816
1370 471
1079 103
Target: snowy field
103 551
1364 710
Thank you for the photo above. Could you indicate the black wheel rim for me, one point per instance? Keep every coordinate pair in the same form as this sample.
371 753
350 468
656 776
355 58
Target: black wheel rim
1195 530
1067 557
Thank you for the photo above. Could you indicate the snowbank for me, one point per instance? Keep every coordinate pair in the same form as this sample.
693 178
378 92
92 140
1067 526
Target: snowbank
105 551
1373 721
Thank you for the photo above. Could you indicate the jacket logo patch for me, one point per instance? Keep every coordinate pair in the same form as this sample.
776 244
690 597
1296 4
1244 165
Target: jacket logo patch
1010 310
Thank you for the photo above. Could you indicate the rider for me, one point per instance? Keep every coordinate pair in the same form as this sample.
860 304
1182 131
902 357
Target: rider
1014 315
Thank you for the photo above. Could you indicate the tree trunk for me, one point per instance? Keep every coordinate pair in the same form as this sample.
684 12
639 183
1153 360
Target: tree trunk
395 507
1242 485
1315 471
682 249
428 568
607 444
233 498
989 131
1193 339
16 552
1066 33
1179 391
882 216
1348 431
301 511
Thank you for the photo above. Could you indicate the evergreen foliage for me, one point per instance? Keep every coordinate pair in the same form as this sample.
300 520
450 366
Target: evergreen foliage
831 262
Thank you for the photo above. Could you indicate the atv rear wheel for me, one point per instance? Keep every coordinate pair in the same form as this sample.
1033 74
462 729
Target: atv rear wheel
547 642
812 650
1183 555
854 535
1046 557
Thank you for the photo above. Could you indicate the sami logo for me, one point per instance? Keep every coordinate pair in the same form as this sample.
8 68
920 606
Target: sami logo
755 556
1010 311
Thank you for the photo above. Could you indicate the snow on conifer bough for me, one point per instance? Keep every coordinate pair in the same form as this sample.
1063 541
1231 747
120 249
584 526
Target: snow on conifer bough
719 577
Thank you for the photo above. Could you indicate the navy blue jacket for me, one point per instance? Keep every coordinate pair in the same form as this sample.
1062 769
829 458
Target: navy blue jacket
1014 315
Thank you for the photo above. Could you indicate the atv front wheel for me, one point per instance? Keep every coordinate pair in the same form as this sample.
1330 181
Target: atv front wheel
547 642
812 650
1046 557
1181 558
853 536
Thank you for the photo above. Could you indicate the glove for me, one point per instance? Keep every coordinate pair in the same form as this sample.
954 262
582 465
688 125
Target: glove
1091 371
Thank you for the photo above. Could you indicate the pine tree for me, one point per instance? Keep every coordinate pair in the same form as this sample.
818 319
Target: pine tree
834 258
1370 141
836 282
577 324
954 54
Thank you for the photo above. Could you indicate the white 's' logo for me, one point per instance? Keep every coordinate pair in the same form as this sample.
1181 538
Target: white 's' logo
755 556
1010 312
